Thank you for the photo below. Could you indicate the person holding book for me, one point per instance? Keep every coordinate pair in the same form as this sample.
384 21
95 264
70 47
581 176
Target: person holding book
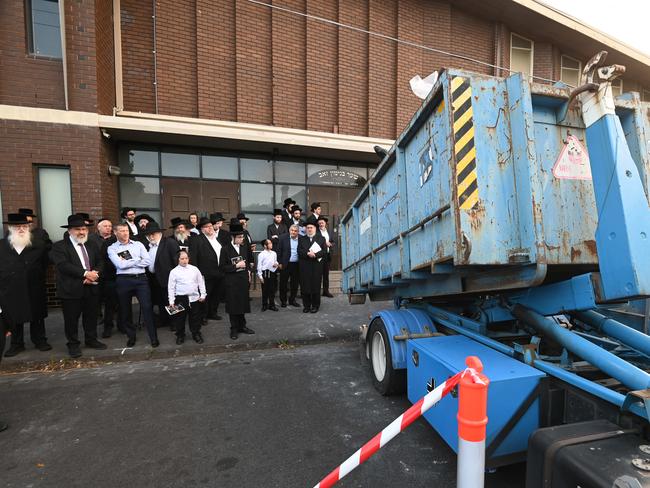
267 264
232 263
186 291
311 251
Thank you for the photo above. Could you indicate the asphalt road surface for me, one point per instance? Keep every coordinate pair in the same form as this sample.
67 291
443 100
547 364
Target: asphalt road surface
270 418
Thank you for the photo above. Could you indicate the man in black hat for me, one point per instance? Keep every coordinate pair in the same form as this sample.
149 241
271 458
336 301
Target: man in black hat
181 234
205 253
237 278
296 214
248 240
103 238
287 217
163 254
23 298
131 261
37 232
322 231
78 267
128 214
311 251
223 236
142 221
315 210
276 228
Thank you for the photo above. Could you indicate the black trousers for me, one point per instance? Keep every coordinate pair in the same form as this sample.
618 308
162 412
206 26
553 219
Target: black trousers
3 331
326 276
237 322
192 310
159 298
127 287
269 287
311 300
84 308
36 333
291 272
108 299
214 290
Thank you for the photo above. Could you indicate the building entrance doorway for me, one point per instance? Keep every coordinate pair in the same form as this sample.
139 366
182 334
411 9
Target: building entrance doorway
334 203
182 196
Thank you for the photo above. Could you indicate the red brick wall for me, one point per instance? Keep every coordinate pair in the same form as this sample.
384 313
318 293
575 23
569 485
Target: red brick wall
105 56
81 60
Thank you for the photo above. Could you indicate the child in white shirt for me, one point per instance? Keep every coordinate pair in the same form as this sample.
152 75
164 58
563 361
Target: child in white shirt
267 264
186 287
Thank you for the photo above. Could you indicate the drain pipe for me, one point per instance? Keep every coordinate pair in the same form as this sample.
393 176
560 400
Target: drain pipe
155 56
64 58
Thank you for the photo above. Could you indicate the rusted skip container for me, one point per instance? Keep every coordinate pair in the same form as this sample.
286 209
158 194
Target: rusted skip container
488 188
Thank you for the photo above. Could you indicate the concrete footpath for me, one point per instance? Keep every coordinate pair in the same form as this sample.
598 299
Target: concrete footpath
335 321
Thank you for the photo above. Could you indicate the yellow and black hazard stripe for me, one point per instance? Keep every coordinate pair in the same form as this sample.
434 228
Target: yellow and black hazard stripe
464 150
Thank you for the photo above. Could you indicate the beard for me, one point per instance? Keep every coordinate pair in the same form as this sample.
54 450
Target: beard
180 236
80 240
17 240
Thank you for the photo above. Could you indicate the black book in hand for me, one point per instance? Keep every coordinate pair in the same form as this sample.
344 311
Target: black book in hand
125 254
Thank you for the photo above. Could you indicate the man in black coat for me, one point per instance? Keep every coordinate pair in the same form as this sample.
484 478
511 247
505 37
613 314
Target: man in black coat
103 238
288 266
78 267
233 265
223 236
164 257
248 240
181 233
128 214
276 228
23 298
205 253
311 251
287 216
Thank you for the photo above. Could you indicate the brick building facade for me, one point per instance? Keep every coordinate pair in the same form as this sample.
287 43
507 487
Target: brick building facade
189 84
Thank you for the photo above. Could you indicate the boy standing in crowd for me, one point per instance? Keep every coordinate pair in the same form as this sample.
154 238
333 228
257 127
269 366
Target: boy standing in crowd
267 264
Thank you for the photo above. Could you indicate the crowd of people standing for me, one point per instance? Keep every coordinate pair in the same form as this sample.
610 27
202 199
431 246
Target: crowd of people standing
178 278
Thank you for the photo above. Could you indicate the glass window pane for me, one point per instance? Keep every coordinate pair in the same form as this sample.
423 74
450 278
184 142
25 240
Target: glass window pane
179 164
360 170
570 76
139 162
55 199
45 28
569 62
256 169
520 42
256 197
219 167
139 192
617 87
314 168
257 227
298 193
289 172
520 61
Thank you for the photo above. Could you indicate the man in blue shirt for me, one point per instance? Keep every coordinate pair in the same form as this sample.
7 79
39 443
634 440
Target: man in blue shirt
288 266
131 261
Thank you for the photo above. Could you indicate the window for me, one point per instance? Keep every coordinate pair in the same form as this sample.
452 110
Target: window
289 172
297 193
220 167
55 198
570 71
44 31
179 164
138 162
256 197
312 168
257 227
140 192
617 87
521 54
256 169
645 95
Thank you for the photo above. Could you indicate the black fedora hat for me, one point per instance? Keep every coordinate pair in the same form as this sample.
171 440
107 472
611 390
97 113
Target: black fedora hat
76 220
242 216
176 221
294 208
277 211
311 221
216 217
138 218
314 206
27 211
86 217
16 219
203 221
236 228
126 210
289 201
152 227
322 217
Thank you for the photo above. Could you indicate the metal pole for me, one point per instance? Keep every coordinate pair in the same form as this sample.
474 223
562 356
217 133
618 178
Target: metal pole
612 328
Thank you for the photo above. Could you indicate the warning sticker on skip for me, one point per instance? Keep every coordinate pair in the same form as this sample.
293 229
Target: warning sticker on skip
573 161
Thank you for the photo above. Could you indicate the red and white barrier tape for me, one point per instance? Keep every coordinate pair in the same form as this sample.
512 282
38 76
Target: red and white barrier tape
395 427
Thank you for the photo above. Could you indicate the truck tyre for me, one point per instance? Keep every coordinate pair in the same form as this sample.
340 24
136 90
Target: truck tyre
385 379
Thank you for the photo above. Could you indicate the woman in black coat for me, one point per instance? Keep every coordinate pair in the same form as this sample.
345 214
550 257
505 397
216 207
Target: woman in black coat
233 263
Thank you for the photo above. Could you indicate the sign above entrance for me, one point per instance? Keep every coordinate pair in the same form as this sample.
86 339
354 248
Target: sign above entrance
336 177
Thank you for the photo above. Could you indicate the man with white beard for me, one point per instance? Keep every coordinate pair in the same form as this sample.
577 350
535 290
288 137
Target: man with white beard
182 233
78 264
23 262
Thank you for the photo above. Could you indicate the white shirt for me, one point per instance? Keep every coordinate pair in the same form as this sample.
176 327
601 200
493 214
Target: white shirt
326 235
77 248
216 245
265 261
19 249
153 250
186 280
194 230
133 227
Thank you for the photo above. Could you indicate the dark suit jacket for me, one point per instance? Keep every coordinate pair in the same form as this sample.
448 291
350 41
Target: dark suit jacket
166 260
284 250
109 273
202 256
272 230
70 272
223 236
311 270
287 219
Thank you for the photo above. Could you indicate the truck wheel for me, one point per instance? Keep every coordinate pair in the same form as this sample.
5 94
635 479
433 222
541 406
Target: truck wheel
385 379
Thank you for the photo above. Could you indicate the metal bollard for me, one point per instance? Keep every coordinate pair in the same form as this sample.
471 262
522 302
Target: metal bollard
472 421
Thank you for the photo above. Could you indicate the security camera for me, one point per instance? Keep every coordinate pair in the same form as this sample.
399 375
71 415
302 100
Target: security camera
106 134
114 170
